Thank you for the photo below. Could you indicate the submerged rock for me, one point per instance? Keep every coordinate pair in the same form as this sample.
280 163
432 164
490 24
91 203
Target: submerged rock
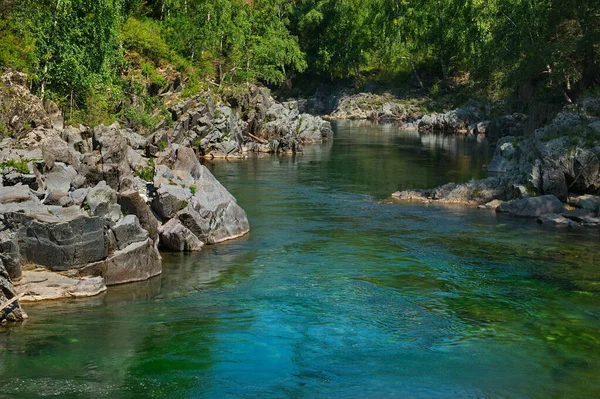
42 285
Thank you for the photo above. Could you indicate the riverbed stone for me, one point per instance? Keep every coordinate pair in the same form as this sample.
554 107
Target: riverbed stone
42 285
532 207
555 220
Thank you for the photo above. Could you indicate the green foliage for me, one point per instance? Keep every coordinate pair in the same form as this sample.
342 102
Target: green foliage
3 129
193 189
143 36
94 57
16 51
10 165
147 173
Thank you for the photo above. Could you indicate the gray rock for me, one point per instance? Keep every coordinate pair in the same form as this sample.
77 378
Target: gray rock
135 160
578 215
10 255
78 196
73 137
132 203
7 292
102 201
42 285
174 236
554 182
113 148
214 217
60 177
499 164
170 199
60 246
532 207
588 202
16 194
54 149
134 140
128 230
137 262
555 220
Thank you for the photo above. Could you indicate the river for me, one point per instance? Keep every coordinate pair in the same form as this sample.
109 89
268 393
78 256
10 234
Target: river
337 293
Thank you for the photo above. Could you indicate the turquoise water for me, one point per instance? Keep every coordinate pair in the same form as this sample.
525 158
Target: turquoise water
337 293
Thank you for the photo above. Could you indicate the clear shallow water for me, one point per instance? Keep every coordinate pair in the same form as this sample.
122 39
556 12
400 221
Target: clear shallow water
336 294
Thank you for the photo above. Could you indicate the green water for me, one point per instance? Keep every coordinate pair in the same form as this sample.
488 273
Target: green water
337 294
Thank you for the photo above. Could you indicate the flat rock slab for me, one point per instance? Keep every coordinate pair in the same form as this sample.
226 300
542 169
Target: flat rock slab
532 207
555 220
578 215
42 285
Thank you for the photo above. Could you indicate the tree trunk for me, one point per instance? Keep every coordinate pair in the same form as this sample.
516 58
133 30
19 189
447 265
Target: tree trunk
412 63
441 38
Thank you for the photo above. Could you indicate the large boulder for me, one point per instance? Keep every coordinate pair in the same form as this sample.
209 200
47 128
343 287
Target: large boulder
102 201
213 213
128 230
132 203
138 261
174 236
61 245
532 207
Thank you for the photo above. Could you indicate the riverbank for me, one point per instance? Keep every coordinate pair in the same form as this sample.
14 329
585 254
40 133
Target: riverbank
82 208
552 175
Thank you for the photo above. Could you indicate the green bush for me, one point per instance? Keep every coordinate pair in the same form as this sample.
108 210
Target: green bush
147 173
16 51
12 165
143 37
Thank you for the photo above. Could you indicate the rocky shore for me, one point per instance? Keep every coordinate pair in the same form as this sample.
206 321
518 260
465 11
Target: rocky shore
85 208
474 119
552 175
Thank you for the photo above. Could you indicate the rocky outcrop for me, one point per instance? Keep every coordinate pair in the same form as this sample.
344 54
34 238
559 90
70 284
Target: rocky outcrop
536 174
455 120
79 202
192 195
472 193
20 111
244 120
